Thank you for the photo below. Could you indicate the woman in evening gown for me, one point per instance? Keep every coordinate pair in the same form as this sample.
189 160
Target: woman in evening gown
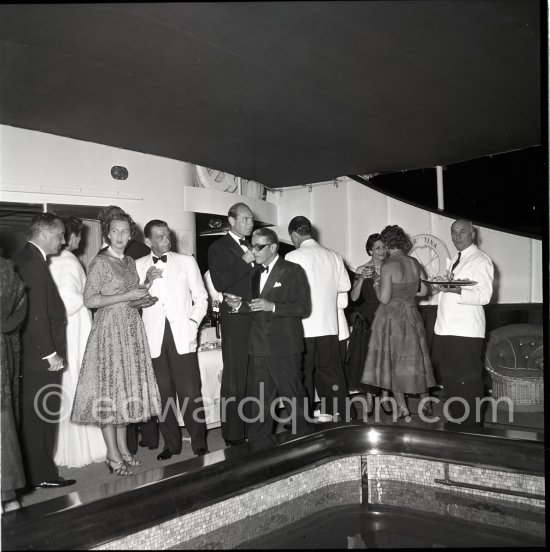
363 289
117 385
76 445
398 357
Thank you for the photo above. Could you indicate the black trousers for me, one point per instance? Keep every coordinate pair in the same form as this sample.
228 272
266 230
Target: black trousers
149 434
39 419
280 376
323 371
179 375
459 361
235 336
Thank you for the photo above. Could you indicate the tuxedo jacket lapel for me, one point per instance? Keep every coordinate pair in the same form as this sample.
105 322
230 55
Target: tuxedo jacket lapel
272 278
234 247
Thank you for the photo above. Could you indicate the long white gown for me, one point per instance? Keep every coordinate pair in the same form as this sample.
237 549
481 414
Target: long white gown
77 445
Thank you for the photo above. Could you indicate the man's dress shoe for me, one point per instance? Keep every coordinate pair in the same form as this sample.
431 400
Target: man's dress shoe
55 483
202 451
167 454
233 442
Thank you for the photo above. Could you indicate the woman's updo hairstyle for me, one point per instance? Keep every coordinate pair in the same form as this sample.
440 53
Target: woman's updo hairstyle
111 213
370 242
395 238
73 225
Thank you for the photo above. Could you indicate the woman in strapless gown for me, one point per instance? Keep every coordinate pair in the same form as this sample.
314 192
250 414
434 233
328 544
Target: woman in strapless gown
398 358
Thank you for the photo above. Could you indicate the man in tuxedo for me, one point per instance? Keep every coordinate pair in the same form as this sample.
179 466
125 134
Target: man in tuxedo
327 276
230 264
281 298
172 325
42 351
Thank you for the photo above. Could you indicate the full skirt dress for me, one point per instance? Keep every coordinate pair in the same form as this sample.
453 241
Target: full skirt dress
398 358
117 384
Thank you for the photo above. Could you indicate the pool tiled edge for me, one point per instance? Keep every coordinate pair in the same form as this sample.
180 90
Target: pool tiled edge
186 527
425 472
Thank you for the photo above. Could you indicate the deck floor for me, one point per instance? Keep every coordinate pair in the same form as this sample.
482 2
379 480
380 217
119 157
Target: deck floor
97 474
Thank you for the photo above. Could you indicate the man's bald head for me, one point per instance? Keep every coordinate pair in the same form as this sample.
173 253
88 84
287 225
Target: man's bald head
462 233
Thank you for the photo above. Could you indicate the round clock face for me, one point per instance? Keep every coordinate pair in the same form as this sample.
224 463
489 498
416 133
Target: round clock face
431 253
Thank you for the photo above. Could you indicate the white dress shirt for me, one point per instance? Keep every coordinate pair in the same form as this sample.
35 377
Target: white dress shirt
158 288
265 274
463 315
237 239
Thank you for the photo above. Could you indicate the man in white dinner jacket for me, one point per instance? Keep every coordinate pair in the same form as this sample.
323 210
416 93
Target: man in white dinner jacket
327 277
459 338
172 325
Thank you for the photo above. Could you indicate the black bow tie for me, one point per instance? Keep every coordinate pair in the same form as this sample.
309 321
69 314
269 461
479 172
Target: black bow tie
263 269
245 242
162 258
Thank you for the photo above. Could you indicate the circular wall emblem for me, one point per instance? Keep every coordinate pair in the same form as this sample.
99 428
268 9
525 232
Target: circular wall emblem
431 253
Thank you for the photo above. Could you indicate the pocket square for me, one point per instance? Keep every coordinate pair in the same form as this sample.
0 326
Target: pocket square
277 284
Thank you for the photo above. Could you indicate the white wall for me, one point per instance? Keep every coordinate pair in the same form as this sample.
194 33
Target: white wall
347 215
36 167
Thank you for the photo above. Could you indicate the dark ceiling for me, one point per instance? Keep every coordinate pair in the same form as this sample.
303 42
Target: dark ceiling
284 93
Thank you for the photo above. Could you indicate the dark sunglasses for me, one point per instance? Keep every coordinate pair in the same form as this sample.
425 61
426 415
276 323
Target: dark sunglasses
261 246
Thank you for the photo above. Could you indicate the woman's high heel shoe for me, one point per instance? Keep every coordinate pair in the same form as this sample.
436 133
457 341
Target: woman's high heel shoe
118 468
403 413
387 410
427 409
131 460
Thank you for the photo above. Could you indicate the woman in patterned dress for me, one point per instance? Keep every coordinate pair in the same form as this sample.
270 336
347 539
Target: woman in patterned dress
117 385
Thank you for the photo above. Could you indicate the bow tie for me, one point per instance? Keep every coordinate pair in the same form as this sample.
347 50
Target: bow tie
263 269
245 242
162 258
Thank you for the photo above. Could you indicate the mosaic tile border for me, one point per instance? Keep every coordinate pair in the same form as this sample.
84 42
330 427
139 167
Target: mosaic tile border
450 503
249 531
379 469
182 529
424 472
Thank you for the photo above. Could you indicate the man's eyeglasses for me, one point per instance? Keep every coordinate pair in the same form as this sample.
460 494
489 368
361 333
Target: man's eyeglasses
259 247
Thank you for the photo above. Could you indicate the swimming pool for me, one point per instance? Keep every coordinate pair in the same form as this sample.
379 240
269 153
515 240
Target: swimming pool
171 507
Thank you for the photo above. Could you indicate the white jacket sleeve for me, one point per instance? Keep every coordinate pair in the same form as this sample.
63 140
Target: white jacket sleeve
481 293
342 301
344 283
199 294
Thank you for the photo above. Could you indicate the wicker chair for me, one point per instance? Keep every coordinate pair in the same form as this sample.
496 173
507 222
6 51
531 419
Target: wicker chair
514 358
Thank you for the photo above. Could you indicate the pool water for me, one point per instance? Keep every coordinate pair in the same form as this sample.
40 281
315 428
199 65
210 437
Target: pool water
403 515
359 526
